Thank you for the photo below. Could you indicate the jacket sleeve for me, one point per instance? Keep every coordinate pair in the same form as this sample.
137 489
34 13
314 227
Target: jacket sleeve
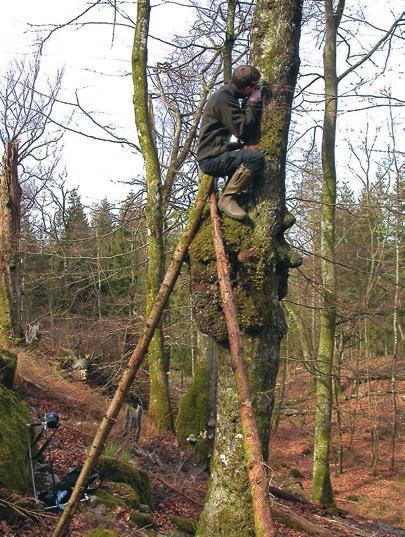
242 124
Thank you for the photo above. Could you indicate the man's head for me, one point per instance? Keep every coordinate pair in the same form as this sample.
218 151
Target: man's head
245 79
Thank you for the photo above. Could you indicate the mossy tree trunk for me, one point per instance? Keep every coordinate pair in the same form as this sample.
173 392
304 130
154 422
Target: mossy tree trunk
321 482
10 223
159 402
259 258
195 418
159 190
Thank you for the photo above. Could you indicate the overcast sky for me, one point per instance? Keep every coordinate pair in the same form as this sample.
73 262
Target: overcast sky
83 53
99 72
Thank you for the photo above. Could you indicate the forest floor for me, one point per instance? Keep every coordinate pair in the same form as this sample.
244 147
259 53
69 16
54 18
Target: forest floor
372 503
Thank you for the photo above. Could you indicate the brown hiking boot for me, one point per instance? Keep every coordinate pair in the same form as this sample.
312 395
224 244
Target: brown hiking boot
227 203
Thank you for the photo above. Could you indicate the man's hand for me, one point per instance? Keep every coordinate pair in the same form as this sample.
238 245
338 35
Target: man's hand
256 95
251 147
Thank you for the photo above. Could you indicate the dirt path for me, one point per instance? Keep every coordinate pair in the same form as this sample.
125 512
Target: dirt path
44 376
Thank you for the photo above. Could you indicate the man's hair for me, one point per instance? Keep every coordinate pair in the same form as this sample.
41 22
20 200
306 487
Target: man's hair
244 75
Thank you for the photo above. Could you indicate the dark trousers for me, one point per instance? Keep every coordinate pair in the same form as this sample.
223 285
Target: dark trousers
227 163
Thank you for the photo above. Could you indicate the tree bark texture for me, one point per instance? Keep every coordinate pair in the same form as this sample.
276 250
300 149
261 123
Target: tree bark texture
10 264
259 260
138 354
321 482
159 402
253 453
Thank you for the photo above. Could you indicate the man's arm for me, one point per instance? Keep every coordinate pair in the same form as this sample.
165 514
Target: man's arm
241 123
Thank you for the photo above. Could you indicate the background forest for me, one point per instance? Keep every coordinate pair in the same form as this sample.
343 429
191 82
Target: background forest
88 272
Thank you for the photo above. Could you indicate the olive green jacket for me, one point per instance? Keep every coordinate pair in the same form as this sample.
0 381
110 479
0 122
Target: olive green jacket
223 116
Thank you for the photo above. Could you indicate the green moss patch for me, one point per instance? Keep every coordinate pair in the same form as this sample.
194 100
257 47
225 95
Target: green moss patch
252 260
126 493
141 519
105 497
124 472
14 415
101 532
183 524
117 495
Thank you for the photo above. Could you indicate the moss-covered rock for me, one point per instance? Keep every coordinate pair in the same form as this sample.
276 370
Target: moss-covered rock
117 495
183 524
101 532
141 519
124 472
14 415
127 493
107 498
8 364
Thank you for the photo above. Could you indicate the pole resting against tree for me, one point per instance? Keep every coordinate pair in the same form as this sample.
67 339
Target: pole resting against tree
138 354
258 479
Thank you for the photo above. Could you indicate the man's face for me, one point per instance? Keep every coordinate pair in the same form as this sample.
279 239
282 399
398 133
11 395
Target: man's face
248 90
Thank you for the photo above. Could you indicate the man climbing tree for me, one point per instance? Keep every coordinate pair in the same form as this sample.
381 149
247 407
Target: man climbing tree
259 259
223 116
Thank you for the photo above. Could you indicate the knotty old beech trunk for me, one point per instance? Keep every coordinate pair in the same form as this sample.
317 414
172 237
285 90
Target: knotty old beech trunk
259 259
10 223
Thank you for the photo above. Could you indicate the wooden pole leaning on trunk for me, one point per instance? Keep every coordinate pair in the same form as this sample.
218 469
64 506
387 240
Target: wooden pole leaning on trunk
258 479
138 354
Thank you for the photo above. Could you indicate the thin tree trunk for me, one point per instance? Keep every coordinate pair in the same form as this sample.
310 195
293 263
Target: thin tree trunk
138 354
229 40
258 479
356 405
397 307
321 483
10 262
98 276
159 401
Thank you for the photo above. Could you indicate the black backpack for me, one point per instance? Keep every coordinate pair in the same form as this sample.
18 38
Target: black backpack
58 497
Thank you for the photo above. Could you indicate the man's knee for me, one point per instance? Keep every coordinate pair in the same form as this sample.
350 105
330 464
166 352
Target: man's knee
254 161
